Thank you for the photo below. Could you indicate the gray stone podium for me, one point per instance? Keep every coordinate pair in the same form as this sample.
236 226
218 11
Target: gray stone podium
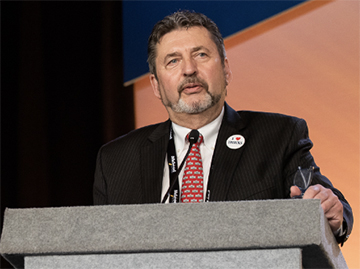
247 234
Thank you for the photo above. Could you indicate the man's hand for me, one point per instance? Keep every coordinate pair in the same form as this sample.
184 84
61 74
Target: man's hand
330 203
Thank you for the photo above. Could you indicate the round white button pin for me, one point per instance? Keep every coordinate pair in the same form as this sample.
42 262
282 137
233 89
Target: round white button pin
235 141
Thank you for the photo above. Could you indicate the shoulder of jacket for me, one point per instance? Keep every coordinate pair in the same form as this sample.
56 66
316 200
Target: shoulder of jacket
248 114
134 137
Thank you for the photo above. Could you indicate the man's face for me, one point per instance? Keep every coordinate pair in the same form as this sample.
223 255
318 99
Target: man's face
190 75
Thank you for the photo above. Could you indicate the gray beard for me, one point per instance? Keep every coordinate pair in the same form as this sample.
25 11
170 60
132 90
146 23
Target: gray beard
195 107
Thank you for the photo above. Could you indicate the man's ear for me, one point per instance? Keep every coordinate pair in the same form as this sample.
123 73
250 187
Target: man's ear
155 85
227 70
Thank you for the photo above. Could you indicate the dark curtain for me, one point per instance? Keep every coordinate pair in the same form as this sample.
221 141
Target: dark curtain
62 97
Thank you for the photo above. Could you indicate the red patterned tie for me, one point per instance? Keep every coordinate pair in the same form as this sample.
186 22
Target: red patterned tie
192 190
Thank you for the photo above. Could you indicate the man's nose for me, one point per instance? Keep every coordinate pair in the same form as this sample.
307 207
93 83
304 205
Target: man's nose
189 67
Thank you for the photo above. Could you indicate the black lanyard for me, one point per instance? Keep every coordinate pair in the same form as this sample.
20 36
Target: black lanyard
172 162
173 166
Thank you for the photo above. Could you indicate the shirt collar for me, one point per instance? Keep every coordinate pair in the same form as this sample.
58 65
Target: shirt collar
209 132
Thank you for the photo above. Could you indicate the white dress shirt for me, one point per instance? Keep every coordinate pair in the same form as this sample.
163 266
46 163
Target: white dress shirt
209 133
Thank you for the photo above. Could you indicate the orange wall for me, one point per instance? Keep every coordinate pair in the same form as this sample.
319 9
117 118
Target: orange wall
304 62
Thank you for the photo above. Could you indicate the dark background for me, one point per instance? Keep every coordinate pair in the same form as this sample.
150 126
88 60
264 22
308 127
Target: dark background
62 97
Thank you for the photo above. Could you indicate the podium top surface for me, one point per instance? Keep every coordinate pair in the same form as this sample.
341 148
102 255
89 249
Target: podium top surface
167 227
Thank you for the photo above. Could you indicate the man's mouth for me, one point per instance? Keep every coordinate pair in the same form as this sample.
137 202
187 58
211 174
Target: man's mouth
191 88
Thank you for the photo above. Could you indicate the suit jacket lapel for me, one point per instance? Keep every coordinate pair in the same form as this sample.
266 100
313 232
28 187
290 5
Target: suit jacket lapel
152 159
225 160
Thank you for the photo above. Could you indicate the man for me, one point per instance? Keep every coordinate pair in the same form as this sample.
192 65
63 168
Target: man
242 155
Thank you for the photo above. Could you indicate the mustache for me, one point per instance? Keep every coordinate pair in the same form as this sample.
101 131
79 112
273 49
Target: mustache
192 80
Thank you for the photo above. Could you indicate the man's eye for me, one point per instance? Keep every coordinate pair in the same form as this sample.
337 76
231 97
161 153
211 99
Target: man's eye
201 55
173 61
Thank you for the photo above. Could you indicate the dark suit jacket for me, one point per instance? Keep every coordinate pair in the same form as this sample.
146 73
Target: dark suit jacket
130 169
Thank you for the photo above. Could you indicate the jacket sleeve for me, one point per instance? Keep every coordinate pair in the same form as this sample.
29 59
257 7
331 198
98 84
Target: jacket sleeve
298 154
